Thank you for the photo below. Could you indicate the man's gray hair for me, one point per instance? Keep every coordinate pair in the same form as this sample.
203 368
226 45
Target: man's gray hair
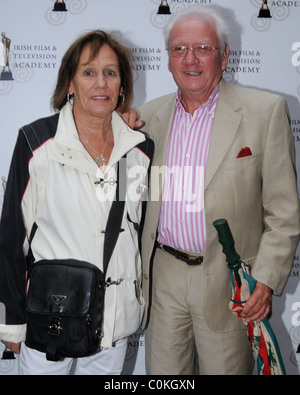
204 12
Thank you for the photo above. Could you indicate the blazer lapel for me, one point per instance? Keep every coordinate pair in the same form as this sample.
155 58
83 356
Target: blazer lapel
226 122
225 126
161 131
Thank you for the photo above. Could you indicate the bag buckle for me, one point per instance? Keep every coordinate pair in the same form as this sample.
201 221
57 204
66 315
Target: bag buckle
54 327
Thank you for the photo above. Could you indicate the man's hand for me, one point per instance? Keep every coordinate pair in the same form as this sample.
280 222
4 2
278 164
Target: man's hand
258 306
130 117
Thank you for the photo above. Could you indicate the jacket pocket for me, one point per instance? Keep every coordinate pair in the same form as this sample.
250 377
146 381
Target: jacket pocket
240 163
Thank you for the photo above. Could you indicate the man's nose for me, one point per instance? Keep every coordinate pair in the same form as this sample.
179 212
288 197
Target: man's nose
190 55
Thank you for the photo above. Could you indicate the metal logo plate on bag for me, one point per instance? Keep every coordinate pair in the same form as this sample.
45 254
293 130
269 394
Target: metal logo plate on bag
57 299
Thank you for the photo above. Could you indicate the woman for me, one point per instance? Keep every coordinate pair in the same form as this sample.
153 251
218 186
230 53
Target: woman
62 183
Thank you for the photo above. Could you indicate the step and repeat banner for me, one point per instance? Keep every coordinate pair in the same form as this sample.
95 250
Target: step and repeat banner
265 53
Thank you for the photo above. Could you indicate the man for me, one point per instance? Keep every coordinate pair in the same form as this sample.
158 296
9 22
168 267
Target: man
200 133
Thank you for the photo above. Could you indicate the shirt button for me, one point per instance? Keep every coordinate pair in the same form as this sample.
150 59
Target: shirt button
187 155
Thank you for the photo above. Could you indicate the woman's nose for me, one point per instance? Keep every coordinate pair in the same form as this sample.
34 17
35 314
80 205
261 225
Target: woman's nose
100 81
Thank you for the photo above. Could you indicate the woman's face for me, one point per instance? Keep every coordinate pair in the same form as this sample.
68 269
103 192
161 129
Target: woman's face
96 85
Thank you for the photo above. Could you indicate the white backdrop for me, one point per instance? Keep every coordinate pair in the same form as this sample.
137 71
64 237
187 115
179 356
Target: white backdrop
265 53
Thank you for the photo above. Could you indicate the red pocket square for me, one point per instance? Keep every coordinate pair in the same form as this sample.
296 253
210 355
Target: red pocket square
244 152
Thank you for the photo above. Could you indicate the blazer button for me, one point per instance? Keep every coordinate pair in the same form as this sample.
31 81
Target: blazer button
153 236
146 276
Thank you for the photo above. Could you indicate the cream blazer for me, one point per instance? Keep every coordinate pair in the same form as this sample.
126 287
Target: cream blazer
257 194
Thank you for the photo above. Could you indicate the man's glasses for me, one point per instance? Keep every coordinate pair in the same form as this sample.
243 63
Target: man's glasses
200 51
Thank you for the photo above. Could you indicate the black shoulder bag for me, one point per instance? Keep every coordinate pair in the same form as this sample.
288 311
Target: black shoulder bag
66 298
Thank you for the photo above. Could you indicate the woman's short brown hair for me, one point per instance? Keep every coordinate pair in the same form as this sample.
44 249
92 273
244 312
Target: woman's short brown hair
70 61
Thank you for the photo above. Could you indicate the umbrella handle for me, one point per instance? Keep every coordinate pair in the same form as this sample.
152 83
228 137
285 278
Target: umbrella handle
227 242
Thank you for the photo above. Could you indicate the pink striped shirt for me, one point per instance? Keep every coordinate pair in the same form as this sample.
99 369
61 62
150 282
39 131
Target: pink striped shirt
182 218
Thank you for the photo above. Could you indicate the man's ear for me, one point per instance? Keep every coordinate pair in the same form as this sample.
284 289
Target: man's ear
225 57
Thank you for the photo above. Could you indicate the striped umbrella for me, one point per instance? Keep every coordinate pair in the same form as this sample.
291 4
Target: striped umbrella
263 342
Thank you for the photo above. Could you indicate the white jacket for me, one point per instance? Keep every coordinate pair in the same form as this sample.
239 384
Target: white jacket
70 208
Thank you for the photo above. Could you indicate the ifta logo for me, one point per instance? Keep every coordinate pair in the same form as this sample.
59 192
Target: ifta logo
6 74
264 11
60 6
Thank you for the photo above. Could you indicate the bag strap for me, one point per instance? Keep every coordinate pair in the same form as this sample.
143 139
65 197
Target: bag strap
112 231
114 221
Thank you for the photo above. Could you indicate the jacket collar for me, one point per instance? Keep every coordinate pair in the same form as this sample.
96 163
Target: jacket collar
66 138
226 123
163 122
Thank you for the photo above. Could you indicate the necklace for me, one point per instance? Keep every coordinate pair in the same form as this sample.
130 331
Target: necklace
100 156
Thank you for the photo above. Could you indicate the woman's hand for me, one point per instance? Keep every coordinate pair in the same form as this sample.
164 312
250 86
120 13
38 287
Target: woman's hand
14 347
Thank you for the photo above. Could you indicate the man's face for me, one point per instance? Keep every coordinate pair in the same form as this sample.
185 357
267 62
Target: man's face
196 77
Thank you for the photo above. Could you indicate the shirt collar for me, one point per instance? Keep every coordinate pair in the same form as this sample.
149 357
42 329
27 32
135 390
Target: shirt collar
209 104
